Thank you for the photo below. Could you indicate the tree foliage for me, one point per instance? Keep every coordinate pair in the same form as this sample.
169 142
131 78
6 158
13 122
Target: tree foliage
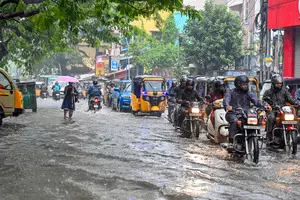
215 41
157 52
33 29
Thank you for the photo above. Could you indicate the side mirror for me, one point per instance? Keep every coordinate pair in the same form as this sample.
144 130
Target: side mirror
117 89
268 100
208 97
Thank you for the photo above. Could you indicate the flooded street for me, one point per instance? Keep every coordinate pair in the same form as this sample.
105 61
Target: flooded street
111 155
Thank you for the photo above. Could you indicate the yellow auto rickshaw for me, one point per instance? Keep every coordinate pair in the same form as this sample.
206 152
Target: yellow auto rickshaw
38 86
11 99
148 95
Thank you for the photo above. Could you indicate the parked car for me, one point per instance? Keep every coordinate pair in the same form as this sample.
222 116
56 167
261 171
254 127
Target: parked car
121 97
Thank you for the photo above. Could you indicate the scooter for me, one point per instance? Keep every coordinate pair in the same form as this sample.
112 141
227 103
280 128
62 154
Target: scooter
56 96
216 124
43 94
95 104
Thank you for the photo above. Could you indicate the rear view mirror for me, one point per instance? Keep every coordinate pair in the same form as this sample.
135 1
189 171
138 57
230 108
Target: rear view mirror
268 100
208 97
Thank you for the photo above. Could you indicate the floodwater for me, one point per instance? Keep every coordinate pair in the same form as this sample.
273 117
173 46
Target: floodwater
111 155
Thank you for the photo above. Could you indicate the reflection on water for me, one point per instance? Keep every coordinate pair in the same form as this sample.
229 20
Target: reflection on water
112 155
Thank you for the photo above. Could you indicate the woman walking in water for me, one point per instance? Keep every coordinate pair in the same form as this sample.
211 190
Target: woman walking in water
71 96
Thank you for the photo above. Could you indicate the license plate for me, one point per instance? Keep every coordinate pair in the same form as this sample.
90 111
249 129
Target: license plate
252 127
289 122
195 114
95 106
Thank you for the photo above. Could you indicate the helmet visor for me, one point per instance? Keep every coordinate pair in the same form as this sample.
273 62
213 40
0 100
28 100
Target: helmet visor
244 86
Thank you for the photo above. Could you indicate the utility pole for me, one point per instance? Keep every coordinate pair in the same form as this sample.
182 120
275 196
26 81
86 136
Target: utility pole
265 39
128 60
261 49
114 59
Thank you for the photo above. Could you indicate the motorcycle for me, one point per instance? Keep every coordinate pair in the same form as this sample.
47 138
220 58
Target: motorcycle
246 141
216 124
285 132
191 125
171 109
44 94
56 96
95 104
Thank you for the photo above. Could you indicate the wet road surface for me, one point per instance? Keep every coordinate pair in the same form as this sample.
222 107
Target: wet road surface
111 155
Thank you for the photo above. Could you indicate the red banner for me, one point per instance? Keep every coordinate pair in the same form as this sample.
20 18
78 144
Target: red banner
283 13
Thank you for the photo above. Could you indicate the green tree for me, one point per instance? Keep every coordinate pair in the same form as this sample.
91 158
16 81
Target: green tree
152 52
215 42
33 29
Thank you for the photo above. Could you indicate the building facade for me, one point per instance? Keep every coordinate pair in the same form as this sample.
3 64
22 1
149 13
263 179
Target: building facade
247 11
285 14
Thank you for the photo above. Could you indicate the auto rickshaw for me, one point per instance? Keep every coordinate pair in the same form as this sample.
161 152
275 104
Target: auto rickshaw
38 85
11 99
202 85
148 95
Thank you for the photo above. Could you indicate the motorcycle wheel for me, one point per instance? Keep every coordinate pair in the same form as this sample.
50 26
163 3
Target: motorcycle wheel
184 127
294 138
254 149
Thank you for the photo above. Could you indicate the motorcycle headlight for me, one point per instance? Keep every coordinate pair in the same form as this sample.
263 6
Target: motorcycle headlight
252 121
289 117
195 110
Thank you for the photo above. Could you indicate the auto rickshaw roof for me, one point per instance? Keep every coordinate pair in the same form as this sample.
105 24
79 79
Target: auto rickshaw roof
147 77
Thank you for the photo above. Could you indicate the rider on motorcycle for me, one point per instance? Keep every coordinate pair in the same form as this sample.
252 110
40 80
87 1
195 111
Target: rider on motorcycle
171 100
56 89
239 97
94 91
180 88
215 94
178 91
279 96
44 89
188 95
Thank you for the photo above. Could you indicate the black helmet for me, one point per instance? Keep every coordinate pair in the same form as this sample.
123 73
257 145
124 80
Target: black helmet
95 82
239 80
276 78
183 79
190 82
219 83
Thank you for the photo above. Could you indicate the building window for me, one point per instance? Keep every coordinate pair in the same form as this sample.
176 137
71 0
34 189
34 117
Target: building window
247 13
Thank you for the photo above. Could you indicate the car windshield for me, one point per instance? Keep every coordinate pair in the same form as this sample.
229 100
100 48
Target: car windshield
153 86
127 87
252 88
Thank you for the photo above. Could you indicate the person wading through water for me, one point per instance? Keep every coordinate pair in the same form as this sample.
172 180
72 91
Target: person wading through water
71 96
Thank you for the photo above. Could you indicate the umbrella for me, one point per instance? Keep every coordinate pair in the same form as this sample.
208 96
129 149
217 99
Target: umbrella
67 79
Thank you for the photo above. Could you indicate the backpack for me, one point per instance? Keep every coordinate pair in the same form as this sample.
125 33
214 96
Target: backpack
56 88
